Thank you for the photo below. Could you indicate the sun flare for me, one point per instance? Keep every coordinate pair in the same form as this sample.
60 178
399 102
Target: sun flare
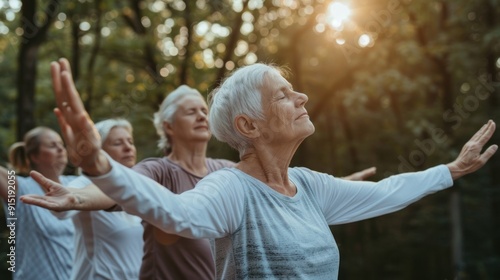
337 13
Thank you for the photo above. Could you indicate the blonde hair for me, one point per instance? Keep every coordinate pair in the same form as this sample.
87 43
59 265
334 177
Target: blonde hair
20 152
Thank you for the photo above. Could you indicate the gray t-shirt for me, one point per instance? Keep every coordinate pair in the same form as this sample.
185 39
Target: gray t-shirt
186 258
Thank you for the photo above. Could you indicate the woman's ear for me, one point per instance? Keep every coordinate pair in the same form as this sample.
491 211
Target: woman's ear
33 159
246 126
167 128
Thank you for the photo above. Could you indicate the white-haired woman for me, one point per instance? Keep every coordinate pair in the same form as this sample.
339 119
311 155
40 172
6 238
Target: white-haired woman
108 244
41 246
269 220
182 124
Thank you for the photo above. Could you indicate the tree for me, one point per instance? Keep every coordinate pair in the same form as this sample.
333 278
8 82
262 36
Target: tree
34 25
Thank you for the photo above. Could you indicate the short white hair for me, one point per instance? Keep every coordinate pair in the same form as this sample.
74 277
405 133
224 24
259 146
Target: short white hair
239 94
104 127
167 111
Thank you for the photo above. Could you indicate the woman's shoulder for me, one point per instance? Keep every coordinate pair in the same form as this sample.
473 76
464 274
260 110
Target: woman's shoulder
223 177
308 177
216 164
153 161
27 185
25 180
154 164
302 172
222 173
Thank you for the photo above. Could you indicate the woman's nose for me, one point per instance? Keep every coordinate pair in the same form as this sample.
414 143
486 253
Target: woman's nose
202 115
128 146
61 148
302 98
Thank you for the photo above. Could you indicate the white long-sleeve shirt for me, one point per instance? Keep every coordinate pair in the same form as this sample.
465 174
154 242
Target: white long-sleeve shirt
108 245
259 232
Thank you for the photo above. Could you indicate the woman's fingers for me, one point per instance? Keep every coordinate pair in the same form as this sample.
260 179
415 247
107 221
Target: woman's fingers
368 173
488 154
78 130
487 133
73 101
472 149
45 183
64 63
55 71
66 130
56 197
484 134
67 97
470 158
69 138
40 201
362 175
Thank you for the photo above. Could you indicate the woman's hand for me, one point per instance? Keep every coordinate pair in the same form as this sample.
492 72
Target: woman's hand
59 198
80 135
361 175
470 158
56 198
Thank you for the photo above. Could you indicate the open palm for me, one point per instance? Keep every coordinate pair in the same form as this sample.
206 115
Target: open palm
56 198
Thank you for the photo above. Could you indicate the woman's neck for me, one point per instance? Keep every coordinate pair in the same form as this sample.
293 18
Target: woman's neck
269 166
191 158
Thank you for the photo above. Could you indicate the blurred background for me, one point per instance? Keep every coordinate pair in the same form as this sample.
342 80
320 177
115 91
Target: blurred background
396 84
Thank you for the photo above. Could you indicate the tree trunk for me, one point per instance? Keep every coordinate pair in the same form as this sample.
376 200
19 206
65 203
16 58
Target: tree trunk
456 232
33 36
231 44
187 54
26 74
89 88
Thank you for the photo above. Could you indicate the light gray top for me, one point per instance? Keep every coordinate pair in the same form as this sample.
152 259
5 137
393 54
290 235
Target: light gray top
260 232
43 244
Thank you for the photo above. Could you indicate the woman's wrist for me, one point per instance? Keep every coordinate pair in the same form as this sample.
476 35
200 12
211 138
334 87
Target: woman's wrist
99 166
455 171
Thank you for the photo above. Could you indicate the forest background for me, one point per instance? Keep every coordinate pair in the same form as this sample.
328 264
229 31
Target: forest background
396 84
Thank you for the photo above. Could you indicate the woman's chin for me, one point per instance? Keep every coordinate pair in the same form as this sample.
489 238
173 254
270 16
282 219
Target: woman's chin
310 130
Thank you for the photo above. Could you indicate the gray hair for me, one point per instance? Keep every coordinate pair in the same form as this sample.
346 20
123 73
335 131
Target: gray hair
239 94
104 127
167 111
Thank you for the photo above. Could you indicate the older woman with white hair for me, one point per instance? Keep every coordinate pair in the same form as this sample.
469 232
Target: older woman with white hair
108 244
182 124
269 220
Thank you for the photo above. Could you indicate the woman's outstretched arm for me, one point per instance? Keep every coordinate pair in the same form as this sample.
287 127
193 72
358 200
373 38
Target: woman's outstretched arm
59 198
